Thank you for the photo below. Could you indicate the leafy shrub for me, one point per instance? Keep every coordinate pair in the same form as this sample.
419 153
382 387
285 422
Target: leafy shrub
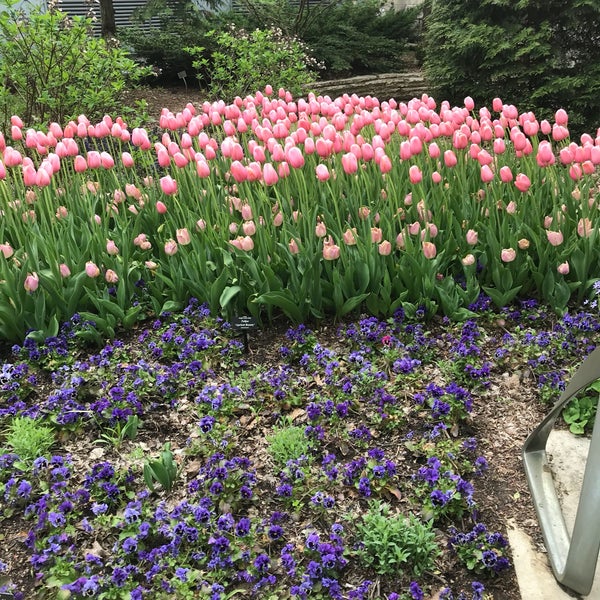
52 68
175 26
29 439
288 443
247 61
540 55
390 544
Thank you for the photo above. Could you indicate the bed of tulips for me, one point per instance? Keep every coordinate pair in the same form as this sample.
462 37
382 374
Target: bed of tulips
307 207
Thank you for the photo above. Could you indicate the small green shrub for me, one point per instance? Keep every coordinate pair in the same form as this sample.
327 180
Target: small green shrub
580 413
29 439
288 443
53 69
164 470
394 544
245 62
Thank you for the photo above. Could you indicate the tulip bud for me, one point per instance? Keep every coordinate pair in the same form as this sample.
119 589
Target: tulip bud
183 236
91 269
508 255
31 283
171 247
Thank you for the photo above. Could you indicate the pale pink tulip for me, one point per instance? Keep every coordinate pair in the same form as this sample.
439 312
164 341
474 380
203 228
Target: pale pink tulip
511 207
295 157
545 156
349 163
563 268
246 243
171 247
508 255
270 176
161 208
91 269
584 227
555 238
575 172
111 248
320 229
415 175
200 225
151 265
111 277
246 211
278 219
32 281
293 246
468 260
183 236
436 177
472 237
400 242
561 117
363 213
6 250
523 244
450 159
349 237
385 248
64 270
249 228
330 250
429 250
376 235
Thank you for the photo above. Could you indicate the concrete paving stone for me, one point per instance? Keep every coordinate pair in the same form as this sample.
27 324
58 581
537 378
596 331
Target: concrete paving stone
567 455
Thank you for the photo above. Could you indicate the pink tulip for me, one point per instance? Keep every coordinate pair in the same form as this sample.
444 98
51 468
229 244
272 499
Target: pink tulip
469 103
436 177
322 172
499 146
434 150
246 211
511 207
171 247
168 185
415 175
349 163
108 162
94 160
32 281
575 172
376 235
320 229
555 237
385 164
293 246
161 208
472 237
508 255
429 250
545 155
522 182
385 248
468 260
561 117
249 228
183 236
400 242
349 237
563 268
450 159
111 248
295 157
6 250
42 178
246 243
487 174
80 164
584 227
64 270
523 244
278 219
506 175
270 176
91 269
110 276
330 250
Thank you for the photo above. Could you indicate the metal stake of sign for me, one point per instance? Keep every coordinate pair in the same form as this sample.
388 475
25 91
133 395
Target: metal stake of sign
573 558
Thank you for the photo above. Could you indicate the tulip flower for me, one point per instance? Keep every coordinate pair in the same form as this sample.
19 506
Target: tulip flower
161 208
64 270
330 250
429 250
32 281
563 268
183 236
468 260
487 174
111 248
110 276
249 228
450 159
523 244
555 237
293 246
522 182
270 176
384 248
472 237
171 247
415 175
508 255
168 185
6 250
322 172
320 229
584 227
91 269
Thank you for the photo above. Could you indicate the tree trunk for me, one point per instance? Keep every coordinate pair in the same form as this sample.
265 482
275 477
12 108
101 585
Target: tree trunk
107 18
